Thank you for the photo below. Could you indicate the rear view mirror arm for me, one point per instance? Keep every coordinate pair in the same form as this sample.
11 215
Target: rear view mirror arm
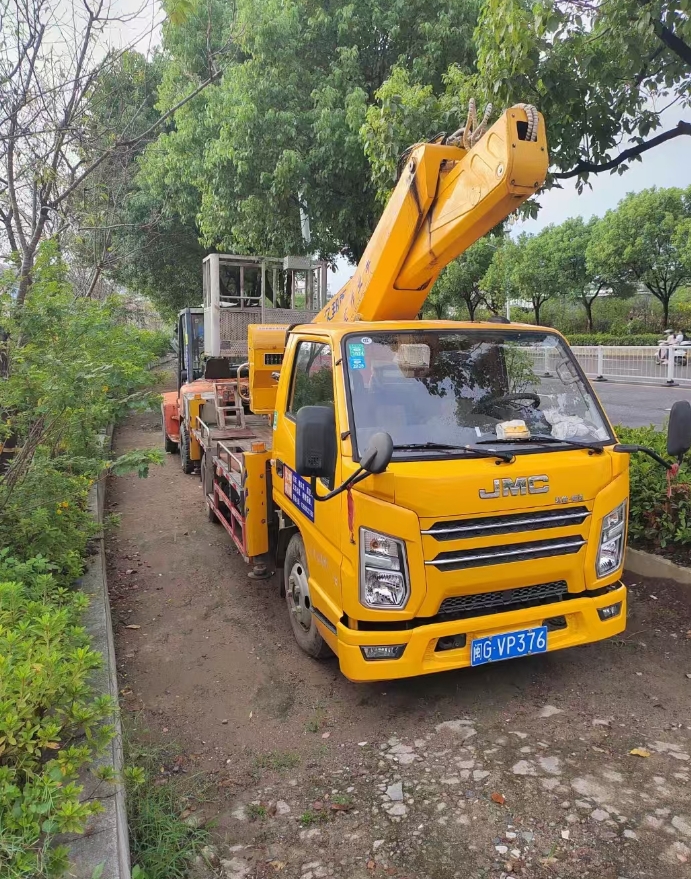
631 449
358 476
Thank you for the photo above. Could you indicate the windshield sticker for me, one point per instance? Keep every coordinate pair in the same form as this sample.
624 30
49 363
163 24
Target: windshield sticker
366 340
298 491
356 355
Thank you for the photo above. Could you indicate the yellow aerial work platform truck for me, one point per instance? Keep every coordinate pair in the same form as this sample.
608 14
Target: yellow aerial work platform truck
439 494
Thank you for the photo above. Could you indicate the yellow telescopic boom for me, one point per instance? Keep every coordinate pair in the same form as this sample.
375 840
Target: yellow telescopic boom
446 198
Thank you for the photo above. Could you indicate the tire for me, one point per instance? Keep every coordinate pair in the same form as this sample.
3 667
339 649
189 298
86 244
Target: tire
168 445
296 580
206 476
185 461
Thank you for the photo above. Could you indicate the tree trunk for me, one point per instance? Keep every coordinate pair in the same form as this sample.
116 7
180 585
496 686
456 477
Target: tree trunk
25 277
536 311
665 311
588 305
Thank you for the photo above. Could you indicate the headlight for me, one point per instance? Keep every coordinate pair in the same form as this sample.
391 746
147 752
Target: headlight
383 571
611 552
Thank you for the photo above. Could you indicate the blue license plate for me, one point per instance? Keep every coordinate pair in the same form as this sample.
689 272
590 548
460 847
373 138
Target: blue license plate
508 645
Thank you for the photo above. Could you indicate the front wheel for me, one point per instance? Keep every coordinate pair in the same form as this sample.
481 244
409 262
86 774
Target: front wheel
168 444
296 580
186 462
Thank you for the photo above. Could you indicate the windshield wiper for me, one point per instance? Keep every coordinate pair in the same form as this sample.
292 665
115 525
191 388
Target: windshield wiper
544 438
446 447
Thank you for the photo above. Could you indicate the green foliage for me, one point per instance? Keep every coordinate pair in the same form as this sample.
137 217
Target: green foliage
282 129
647 240
50 722
590 67
656 521
607 339
458 286
163 845
72 366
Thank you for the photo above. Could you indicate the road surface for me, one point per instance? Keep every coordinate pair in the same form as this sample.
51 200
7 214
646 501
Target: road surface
638 405
526 769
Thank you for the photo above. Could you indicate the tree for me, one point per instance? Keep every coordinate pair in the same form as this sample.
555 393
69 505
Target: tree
579 275
279 135
647 240
593 67
48 145
498 283
460 280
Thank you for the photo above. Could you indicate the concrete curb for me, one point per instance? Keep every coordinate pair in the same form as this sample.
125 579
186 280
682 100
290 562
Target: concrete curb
106 841
646 565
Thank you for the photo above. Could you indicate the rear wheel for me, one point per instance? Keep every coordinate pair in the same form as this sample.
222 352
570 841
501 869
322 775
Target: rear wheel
186 462
296 579
168 444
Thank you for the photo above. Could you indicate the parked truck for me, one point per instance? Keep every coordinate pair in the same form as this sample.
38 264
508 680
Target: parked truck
438 494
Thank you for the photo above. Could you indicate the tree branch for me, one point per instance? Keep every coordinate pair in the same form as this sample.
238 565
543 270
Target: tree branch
673 42
640 148
124 144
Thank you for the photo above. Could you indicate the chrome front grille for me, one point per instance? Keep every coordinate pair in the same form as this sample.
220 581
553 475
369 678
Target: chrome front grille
505 600
510 523
456 560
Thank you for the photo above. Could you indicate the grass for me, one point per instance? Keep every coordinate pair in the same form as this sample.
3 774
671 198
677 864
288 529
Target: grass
312 817
317 720
162 844
281 761
255 811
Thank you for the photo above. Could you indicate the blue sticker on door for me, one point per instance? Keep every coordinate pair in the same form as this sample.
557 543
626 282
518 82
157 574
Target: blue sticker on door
356 356
299 492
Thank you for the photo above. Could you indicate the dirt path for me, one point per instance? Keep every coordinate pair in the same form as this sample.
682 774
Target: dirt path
314 776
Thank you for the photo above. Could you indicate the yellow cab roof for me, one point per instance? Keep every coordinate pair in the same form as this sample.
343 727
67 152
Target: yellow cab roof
336 330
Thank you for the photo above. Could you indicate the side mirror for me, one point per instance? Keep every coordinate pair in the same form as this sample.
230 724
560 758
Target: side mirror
315 442
679 429
377 455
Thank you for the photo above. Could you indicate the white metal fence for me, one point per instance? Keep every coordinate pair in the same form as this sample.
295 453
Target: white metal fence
640 365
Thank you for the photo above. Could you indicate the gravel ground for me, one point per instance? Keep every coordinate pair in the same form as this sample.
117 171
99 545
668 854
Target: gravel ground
517 769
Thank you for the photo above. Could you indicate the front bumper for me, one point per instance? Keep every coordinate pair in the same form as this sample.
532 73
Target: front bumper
583 625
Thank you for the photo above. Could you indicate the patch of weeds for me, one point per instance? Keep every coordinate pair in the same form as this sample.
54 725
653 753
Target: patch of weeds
281 761
162 843
312 816
255 811
343 800
317 721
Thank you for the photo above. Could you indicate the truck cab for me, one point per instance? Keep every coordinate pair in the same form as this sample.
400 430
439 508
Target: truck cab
474 529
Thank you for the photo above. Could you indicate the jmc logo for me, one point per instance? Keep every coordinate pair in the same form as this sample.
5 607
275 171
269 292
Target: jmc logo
522 485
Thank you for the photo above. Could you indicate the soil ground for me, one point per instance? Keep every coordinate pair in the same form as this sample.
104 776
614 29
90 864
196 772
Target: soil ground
520 769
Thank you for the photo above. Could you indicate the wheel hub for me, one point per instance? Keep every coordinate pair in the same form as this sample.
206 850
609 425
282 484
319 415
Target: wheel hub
299 595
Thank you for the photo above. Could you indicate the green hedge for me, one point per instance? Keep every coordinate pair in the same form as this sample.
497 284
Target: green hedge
606 339
656 521
74 366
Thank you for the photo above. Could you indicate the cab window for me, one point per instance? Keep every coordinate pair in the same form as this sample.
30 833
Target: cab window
312 377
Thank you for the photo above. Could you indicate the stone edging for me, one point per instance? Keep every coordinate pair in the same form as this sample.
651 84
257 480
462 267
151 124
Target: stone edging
646 565
106 841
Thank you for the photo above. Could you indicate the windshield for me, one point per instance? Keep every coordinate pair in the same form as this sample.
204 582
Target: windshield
457 389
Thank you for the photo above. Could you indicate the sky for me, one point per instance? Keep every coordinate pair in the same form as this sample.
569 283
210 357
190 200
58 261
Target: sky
666 165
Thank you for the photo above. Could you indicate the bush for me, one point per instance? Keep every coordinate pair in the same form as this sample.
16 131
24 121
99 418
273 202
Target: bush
656 521
648 339
71 367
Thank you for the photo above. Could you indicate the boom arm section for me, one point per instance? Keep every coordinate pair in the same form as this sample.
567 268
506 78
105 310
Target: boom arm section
445 200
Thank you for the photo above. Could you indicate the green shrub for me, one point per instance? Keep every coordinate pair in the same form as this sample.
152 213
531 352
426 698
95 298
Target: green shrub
71 366
656 521
50 721
641 339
